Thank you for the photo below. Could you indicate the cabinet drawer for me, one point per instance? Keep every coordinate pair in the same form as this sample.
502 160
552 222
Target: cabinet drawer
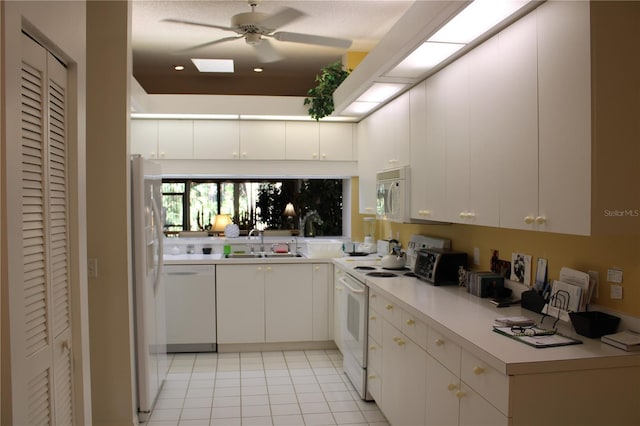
389 311
487 381
444 350
375 325
375 355
415 329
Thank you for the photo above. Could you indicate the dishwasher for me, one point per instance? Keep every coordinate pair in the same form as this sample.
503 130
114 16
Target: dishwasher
191 308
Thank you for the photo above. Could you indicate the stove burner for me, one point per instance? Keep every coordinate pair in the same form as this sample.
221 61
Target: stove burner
365 268
397 269
410 274
381 274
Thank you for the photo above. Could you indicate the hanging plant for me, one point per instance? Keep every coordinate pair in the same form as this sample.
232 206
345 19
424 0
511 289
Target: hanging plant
321 96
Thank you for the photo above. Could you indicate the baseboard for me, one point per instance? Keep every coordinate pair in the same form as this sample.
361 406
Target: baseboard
277 346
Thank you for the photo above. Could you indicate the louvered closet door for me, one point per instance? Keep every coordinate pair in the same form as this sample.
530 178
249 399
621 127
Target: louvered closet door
46 365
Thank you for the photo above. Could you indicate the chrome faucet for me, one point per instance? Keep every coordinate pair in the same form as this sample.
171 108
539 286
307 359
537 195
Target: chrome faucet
261 234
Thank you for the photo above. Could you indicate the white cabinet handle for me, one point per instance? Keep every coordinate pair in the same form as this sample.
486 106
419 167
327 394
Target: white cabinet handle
268 268
478 370
410 322
373 296
234 154
460 394
162 155
372 318
462 215
425 212
324 156
401 342
338 288
439 342
389 307
244 155
259 268
314 155
371 376
396 339
541 220
452 386
372 348
153 154
529 220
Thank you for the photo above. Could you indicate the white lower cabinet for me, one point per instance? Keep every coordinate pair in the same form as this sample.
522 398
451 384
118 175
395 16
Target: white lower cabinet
404 374
322 310
419 376
240 304
287 304
267 303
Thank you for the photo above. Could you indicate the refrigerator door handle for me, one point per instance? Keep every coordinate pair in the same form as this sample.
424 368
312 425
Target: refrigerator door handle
158 225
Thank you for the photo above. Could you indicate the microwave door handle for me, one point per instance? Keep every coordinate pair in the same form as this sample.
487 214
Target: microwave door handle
351 289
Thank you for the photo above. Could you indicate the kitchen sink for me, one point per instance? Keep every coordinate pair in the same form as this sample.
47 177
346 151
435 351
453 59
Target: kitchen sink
243 255
282 255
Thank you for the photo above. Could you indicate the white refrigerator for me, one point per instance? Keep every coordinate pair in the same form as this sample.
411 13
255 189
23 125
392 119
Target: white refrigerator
150 328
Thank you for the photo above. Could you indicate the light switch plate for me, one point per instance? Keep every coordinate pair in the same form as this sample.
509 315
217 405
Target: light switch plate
616 291
614 275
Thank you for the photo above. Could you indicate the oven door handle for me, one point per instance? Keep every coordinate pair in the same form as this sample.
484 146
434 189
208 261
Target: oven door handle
351 289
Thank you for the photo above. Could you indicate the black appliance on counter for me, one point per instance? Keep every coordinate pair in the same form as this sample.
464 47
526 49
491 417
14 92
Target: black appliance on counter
439 266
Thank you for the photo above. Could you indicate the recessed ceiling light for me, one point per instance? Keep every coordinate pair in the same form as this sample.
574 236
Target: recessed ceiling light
178 67
258 69
213 65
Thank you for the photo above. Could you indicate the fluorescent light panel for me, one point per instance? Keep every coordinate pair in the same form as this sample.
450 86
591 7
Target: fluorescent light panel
213 65
380 92
425 57
476 19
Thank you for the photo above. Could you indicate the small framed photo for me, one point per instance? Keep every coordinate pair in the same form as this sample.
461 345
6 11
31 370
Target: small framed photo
521 268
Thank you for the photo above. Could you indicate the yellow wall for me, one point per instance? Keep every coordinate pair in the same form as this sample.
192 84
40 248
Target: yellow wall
581 253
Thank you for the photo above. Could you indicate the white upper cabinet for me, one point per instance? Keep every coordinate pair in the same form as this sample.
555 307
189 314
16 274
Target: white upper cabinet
303 140
262 140
175 139
518 97
367 166
216 139
336 141
144 138
564 96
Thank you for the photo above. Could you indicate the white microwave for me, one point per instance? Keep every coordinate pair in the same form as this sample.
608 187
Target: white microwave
392 195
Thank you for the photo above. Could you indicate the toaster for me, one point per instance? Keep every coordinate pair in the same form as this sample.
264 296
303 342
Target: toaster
439 266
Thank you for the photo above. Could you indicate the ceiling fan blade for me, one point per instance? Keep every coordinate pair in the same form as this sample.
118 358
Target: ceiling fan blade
266 53
282 17
200 24
210 43
312 39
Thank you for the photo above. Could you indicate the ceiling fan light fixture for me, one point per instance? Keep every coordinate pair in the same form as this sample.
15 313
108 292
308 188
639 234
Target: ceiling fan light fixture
213 65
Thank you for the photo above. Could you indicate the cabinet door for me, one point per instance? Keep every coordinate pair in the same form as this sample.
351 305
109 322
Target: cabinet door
518 113
262 140
302 140
288 303
366 166
339 301
240 303
435 153
322 301
441 400
216 139
475 411
484 133
404 372
175 139
418 143
456 82
564 75
336 141
144 138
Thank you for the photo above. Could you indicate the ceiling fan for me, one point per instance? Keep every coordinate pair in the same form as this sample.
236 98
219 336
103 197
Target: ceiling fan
256 28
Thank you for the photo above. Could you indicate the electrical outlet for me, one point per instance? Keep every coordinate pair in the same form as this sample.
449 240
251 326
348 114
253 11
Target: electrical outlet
476 256
92 267
616 291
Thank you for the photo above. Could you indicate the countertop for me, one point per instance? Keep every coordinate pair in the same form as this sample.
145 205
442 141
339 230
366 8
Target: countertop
468 320
219 259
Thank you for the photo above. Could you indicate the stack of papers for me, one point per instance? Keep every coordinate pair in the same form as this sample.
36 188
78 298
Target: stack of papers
570 293
521 321
537 337
626 339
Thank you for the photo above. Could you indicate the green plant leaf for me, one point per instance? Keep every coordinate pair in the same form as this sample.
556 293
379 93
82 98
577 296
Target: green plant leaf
321 96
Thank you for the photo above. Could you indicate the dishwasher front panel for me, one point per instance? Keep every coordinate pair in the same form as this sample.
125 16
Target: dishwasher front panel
191 308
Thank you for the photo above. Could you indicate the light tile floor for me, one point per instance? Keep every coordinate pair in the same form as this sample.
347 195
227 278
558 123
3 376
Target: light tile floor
261 388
